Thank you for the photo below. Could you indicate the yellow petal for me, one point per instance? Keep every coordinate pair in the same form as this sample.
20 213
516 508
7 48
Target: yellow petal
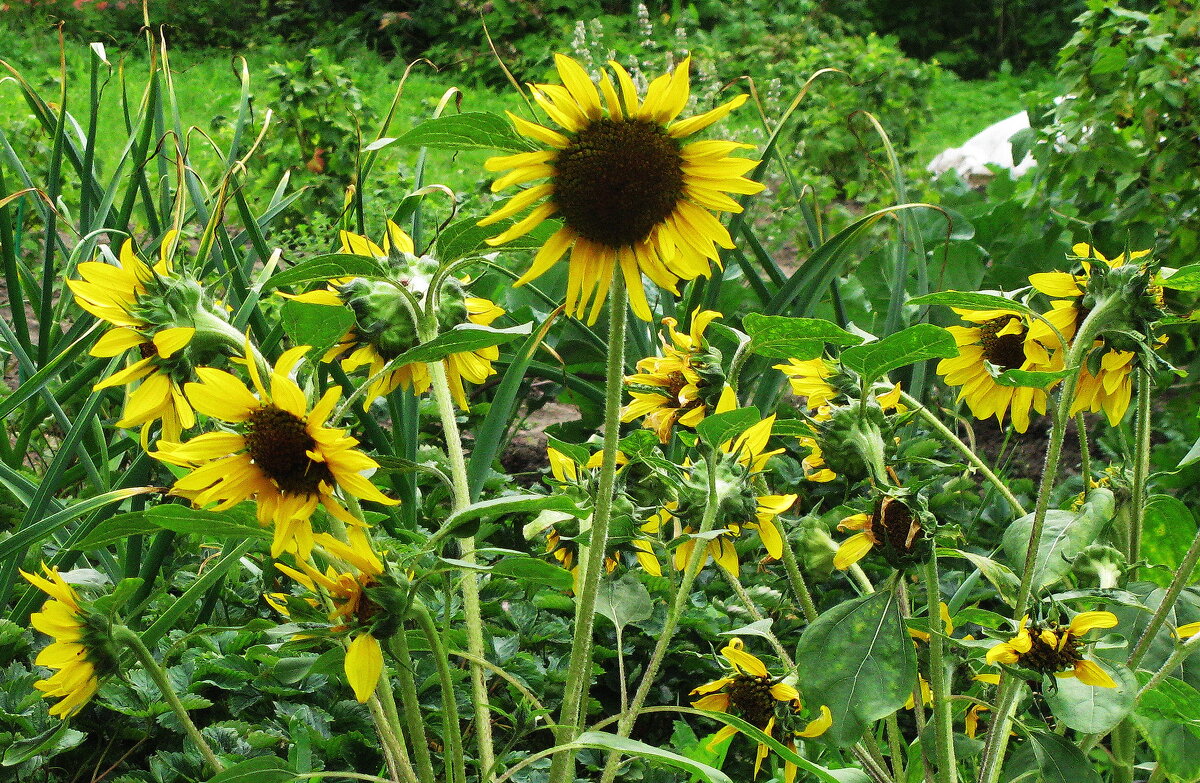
364 664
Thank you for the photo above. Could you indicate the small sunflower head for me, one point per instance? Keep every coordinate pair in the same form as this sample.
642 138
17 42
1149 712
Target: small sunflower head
901 526
1050 648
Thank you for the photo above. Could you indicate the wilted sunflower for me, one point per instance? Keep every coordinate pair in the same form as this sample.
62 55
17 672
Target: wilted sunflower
1053 649
353 610
81 651
283 456
629 192
681 386
762 701
893 526
384 329
1105 382
999 341
122 296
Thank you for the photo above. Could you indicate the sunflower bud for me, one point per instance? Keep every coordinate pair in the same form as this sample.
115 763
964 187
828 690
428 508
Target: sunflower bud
851 441
1101 562
737 500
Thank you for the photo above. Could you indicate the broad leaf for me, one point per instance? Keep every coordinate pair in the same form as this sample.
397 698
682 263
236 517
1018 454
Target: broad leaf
1090 709
464 337
624 601
971 300
1064 535
328 266
721 427
857 659
263 769
780 337
602 740
234 523
315 325
1056 759
1168 530
908 346
468 131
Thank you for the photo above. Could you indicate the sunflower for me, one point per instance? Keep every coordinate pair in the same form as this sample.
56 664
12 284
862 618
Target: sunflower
893 526
681 386
1000 341
809 380
283 456
1053 649
352 610
384 329
761 700
81 651
629 191
1106 383
739 461
121 295
1186 632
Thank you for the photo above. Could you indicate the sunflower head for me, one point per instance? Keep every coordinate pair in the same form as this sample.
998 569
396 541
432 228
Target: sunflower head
631 193
898 527
1050 648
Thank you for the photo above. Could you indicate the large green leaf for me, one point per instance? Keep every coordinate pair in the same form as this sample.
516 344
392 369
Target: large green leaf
464 337
468 131
325 267
858 660
602 740
1167 532
908 346
1056 759
721 427
1064 535
1090 709
315 325
1171 700
971 300
234 523
780 337
624 601
263 769
1174 745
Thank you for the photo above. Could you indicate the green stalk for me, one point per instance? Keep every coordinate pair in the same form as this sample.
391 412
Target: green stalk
799 586
757 616
470 580
1124 739
1182 576
579 670
394 752
124 636
450 722
398 644
943 722
1177 658
948 434
1085 457
1141 470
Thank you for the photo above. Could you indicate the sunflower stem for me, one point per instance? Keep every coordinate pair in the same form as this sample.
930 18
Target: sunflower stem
973 458
943 721
124 636
1085 457
682 592
579 670
752 609
895 747
1177 657
450 722
1141 471
1124 739
470 581
398 644
1182 576
1007 696
799 586
394 752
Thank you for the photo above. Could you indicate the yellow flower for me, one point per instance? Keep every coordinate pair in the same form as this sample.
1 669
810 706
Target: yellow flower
117 294
681 386
352 609
808 380
743 509
629 192
283 456
893 526
359 348
1052 649
751 692
1001 340
1186 632
78 651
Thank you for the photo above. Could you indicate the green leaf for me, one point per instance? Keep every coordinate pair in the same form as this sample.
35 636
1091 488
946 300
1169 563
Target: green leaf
1022 143
602 740
754 734
234 523
58 738
464 337
1057 759
120 595
1064 535
531 569
1183 279
1168 531
780 337
971 300
858 660
315 325
1108 59
114 529
1171 700
263 769
624 601
908 346
468 131
1090 709
1175 747
1001 576
1032 378
330 265
509 504
721 427
462 238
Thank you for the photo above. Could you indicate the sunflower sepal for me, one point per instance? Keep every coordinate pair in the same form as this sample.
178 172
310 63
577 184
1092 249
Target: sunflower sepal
851 441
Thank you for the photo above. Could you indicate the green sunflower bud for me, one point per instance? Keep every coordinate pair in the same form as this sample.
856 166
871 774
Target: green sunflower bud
383 606
737 500
96 637
851 441
1101 562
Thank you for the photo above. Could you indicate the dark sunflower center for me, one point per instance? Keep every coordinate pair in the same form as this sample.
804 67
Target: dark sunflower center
1005 351
1047 658
752 697
894 520
366 609
617 180
278 442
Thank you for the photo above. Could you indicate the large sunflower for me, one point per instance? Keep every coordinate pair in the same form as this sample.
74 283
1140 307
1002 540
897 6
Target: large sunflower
998 341
764 702
283 456
1053 649
629 192
81 651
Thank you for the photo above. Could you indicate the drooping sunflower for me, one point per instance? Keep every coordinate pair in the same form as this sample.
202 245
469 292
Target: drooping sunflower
353 610
739 461
82 650
999 341
1054 649
681 386
1105 382
280 453
630 193
809 380
121 295
764 702
384 329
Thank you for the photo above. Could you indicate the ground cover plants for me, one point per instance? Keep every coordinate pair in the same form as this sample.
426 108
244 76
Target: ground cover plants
277 505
